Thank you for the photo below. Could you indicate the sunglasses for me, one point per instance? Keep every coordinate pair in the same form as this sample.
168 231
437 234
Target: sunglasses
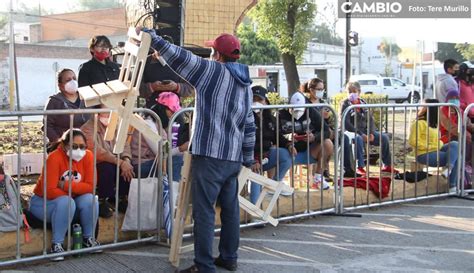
78 146
312 87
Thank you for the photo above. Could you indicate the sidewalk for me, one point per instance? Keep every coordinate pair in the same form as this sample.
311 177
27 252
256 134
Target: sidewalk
436 235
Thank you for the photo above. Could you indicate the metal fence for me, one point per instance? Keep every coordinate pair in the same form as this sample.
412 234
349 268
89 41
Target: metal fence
305 202
141 236
465 175
408 191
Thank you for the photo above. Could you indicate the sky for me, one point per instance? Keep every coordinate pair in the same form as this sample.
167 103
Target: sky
406 31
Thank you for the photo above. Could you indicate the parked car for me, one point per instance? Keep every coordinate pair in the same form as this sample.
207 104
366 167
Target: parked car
394 88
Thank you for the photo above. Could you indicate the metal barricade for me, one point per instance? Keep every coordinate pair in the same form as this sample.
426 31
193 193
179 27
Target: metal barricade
115 242
304 202
397 193
466 152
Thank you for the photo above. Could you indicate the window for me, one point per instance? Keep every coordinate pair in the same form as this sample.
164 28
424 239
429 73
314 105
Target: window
25 38
386 82
367 82
398 82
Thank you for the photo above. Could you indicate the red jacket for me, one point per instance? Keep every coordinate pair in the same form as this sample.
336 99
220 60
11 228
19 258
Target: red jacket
56 165
361 182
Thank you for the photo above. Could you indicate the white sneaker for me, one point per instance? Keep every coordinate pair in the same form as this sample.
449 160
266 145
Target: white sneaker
320 181
286 193
452 190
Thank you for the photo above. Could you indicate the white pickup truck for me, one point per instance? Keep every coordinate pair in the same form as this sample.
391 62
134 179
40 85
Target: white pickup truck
394 88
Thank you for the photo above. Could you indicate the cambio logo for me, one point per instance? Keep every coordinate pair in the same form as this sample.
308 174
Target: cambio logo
374 7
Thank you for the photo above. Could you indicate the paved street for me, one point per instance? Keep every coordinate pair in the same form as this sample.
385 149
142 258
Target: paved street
428 236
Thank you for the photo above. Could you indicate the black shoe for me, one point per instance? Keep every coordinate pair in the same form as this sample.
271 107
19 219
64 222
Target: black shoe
326 176
105 211
122 205
229 265
190 269
57 248
351 174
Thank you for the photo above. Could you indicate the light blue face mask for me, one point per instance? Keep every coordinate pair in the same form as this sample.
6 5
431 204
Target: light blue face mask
454 101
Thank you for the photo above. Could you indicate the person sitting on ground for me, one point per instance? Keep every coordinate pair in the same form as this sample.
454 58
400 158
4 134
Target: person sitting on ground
107 165
306 124
267 154
424 138
60 178
99 68
368 132
314 89
449 123
66 99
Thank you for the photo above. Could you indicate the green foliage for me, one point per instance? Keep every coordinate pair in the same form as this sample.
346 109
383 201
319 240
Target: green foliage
323 34
448 51
255 49
336 103
275 98
389 49
103 4
466 50
287 21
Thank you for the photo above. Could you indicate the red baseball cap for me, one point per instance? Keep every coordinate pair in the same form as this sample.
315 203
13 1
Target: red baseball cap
226 44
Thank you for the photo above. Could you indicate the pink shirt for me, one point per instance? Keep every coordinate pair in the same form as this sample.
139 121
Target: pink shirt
466 96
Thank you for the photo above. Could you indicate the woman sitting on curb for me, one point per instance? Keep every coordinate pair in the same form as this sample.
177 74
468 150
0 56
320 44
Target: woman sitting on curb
61 178
424 138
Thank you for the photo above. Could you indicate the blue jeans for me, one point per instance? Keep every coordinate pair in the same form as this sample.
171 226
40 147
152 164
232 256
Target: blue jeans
144 169
449 150
284 164
177 165
215 180
57 214
359 146
386 155
106 184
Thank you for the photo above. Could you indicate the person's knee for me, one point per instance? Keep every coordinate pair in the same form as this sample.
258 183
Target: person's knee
86 200
63 203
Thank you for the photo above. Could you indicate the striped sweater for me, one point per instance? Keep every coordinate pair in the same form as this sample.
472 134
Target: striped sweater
224 125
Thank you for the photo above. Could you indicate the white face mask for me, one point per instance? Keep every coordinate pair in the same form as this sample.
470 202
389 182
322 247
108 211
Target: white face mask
76 154
258 104
297 114
71 87
319 94
104 121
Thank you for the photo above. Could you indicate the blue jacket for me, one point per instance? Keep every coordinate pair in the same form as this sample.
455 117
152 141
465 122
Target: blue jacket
223 121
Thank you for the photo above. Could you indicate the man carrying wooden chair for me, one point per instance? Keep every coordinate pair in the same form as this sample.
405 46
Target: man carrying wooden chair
223 140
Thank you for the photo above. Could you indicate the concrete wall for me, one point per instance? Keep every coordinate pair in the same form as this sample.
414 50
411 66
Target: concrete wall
36 76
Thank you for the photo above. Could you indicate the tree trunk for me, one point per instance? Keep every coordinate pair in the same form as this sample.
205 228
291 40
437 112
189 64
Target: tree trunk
291 72
289 59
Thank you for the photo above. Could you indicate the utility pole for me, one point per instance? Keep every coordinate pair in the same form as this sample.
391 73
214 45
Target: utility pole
12 82
348 46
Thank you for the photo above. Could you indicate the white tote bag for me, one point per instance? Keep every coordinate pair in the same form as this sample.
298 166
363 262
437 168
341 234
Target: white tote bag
148 204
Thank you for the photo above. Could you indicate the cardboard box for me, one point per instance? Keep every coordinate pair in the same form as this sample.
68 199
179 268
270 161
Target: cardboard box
31 163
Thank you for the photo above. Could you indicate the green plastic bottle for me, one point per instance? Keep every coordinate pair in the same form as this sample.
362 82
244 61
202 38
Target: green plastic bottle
76 237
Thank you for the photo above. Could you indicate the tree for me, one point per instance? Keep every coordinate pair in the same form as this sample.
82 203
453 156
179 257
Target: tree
325 35
287 21
448 51
103 4
256 50
466 50
389 50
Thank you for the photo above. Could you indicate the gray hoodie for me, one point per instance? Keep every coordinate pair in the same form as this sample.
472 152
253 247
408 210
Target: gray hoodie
444 82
